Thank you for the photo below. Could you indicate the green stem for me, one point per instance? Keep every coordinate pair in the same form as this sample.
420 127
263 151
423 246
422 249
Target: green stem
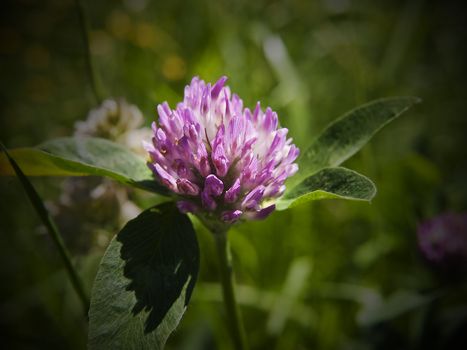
225 269
84 25
41 210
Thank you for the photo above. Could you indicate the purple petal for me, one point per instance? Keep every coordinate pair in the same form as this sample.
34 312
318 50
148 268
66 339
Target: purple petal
294 152
220 161
230 216
191 133
253 198
263 213
154 127
180 168
248 146
160 135
188 116
204 167
216 89
274 190
208 202
235 129
164 113
213 186
278 141
219 158
205 102
228 113
231 195
257 112
187 187
237 104
270 120
167 179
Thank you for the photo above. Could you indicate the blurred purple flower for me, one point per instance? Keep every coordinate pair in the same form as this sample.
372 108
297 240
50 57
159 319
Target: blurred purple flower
443 239
222 160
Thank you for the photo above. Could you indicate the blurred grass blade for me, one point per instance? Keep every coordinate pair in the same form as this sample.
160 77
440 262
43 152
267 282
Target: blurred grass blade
348 134
51 229
78 156
293 287
329 183
90 67
397 304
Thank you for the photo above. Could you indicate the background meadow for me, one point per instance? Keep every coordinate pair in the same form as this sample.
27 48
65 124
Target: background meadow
326 275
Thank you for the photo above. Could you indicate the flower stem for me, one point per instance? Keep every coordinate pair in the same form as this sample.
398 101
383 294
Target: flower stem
225 269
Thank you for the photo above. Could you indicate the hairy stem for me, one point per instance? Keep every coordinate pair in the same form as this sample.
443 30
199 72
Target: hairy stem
225 270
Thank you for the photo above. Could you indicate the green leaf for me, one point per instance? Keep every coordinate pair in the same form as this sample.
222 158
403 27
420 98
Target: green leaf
348 134
144 282
329 183
73 156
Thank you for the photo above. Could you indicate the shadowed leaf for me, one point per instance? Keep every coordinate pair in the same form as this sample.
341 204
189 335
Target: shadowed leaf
144 282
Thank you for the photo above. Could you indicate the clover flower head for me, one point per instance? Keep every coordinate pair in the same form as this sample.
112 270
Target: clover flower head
443 239
222 160
112 119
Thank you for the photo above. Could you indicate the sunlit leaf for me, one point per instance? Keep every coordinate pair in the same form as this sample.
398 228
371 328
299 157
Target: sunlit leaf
144 282
329 183
74 156
293 287
348 134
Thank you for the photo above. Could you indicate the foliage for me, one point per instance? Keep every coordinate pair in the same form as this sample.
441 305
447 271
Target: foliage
147 275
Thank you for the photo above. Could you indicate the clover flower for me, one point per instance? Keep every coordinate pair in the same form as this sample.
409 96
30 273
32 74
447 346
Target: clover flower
111 120
87 203
223 161
115 120
443 239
